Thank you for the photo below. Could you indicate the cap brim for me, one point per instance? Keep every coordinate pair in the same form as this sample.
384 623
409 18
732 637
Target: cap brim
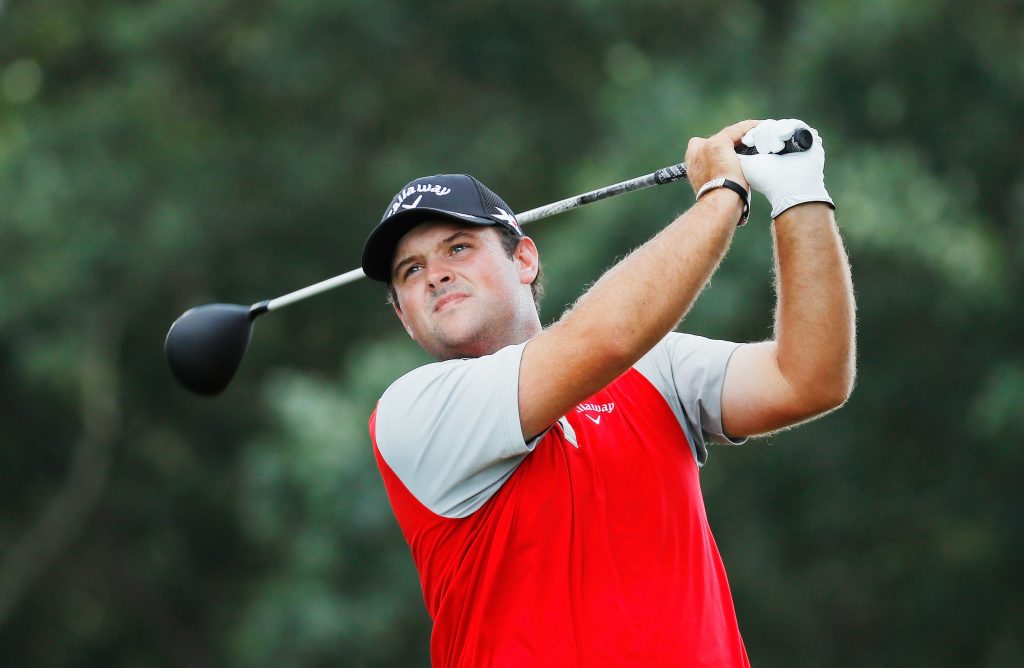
380 245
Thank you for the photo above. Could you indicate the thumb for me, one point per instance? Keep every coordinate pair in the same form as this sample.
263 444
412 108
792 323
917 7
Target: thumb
736 132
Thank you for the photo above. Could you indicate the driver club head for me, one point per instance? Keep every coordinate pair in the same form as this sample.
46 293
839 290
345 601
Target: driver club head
205 346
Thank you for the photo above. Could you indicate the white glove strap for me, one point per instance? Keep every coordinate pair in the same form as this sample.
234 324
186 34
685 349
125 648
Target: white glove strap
733 186
781 201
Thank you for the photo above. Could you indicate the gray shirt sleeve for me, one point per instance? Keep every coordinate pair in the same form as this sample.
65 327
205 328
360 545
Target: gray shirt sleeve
689 371
451 432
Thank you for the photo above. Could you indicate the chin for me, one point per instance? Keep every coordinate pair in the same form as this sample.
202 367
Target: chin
471 330
456 343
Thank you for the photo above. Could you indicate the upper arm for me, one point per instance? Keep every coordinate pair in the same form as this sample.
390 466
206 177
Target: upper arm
560 368
756 396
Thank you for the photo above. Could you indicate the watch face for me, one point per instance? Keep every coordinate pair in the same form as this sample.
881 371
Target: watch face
711 185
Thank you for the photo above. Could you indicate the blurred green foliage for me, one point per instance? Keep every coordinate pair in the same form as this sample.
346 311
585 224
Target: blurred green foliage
155 156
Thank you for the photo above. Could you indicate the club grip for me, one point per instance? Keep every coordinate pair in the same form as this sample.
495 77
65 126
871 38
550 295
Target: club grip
801 140
669 174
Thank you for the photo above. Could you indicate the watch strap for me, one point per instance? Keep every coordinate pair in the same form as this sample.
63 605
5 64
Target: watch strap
733 186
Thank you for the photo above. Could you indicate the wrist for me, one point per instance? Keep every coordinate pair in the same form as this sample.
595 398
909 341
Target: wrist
723 205
717 188
804 214
785 200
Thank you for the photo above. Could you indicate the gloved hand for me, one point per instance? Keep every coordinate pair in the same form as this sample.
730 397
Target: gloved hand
786 180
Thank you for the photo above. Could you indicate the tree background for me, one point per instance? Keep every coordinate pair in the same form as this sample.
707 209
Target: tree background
159 155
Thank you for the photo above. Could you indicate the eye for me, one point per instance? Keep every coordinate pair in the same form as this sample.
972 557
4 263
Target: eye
410 270
458 248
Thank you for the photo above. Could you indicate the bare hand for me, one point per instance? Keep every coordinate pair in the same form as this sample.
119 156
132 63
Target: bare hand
715 157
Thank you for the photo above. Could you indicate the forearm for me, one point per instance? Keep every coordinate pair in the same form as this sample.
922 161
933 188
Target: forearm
814 319
625 313
638 301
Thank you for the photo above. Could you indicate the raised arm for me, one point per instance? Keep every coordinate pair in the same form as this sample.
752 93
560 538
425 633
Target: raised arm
808 368
639 300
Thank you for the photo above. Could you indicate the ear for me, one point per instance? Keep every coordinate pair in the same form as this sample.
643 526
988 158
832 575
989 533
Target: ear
527 259
398 312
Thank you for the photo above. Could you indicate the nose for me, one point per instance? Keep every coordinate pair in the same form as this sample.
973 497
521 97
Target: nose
438 274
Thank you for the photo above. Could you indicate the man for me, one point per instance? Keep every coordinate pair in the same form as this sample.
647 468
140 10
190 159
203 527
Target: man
546 479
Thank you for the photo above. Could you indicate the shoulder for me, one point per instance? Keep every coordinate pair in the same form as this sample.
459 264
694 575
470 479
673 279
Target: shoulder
440 379
689 371
450 430
459 398
422 377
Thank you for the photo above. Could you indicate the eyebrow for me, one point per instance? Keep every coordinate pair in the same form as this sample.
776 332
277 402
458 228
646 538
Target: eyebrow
444 242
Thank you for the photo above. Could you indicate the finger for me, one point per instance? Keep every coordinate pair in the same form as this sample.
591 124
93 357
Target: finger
788 126
768 143
735 132
693 146
768 137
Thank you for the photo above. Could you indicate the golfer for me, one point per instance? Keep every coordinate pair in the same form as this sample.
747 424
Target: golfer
546 479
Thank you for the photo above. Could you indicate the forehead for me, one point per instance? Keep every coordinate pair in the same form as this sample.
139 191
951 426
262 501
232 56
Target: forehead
427 235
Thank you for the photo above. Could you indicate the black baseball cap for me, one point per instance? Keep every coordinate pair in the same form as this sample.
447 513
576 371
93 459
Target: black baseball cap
458 197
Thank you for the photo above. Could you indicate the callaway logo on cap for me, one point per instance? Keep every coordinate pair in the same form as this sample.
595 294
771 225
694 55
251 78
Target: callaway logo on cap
458 197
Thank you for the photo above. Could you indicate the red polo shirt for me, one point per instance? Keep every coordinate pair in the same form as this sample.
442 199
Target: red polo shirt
588 547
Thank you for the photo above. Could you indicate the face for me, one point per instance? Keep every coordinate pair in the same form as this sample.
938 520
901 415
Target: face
459 293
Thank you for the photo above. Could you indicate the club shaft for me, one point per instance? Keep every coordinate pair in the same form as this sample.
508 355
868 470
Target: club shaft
311 290
800 141
664 175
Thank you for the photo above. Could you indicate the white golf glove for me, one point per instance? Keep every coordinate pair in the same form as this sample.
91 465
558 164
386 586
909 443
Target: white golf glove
786 180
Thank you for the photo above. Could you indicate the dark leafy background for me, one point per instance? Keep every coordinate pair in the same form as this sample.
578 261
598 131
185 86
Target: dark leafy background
159 155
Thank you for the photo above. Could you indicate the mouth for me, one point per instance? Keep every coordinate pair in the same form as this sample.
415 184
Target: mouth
449 300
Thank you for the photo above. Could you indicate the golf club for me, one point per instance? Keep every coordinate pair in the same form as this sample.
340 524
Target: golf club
206 344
